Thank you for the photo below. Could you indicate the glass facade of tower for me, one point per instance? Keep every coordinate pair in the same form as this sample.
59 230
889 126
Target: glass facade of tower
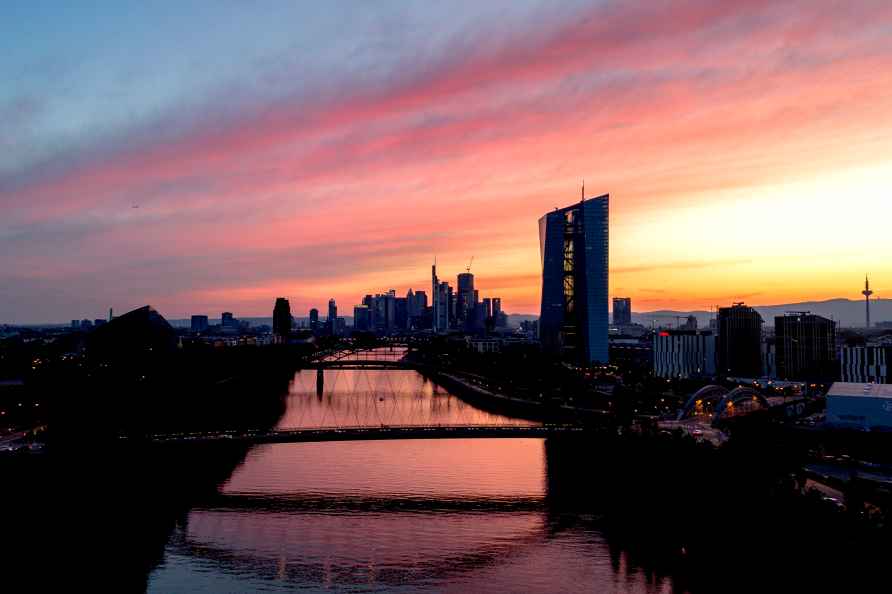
573 243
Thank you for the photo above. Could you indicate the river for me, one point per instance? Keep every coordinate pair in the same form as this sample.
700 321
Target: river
398 516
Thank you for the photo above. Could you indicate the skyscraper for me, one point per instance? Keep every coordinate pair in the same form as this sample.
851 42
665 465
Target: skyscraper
420 302
314 319
332 321
806 347
282 318
622 311
739 342
361 318
497 311
487 307
435 296
465 297
411 305
573 244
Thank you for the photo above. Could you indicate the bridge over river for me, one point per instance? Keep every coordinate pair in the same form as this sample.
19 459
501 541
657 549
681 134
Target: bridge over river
365 433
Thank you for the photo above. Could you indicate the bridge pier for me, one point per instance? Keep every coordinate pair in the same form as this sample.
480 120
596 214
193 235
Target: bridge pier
320 382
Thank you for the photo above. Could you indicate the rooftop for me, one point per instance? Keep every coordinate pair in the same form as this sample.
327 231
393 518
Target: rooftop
867 390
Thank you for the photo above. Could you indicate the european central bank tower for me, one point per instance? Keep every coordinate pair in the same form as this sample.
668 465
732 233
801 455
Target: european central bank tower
573 243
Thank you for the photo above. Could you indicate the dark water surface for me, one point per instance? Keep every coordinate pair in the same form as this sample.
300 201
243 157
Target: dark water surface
407 516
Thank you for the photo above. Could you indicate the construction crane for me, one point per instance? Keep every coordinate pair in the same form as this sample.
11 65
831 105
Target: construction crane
469 265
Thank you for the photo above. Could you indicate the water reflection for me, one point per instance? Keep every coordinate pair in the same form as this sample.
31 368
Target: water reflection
425 515
355 397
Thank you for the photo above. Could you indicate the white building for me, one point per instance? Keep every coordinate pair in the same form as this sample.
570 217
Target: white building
684 354
868 364
861 406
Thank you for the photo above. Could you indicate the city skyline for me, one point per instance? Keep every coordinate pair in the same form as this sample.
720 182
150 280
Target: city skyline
215 171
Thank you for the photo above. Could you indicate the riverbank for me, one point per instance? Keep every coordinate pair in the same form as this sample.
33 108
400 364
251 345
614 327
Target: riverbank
474 390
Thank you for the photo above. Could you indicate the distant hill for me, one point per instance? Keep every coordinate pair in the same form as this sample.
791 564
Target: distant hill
848 312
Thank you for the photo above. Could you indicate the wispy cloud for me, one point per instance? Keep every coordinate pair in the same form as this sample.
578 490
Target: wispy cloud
315 184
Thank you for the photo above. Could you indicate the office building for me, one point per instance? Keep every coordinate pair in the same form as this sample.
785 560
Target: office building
411 305
401 313
806 347
282 318
443 307
361 318
332 320
420 302
739 342
435 299
866 364
199 324
465 301
75 324
769 358
860 406
86 324
497 312
622 311
314 320
573 244
684 354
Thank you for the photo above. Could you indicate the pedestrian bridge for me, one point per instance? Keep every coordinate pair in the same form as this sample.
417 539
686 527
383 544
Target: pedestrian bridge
368 433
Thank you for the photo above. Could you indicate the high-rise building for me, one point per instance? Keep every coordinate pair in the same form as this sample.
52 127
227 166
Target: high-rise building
487 308
199 324
282 318
464 299
75 324
622 311
332 321
435 298
573 244
314 320
401 313
806 347
86 324
739 343
497 311
684 354
227 320
411 305
361 318
442 307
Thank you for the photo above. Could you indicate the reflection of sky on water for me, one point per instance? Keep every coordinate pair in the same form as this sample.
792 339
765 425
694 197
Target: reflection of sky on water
464 515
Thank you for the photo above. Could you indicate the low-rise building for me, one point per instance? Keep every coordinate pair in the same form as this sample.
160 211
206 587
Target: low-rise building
860 406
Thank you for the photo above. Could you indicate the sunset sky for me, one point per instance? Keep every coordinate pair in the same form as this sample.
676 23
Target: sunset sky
210 156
